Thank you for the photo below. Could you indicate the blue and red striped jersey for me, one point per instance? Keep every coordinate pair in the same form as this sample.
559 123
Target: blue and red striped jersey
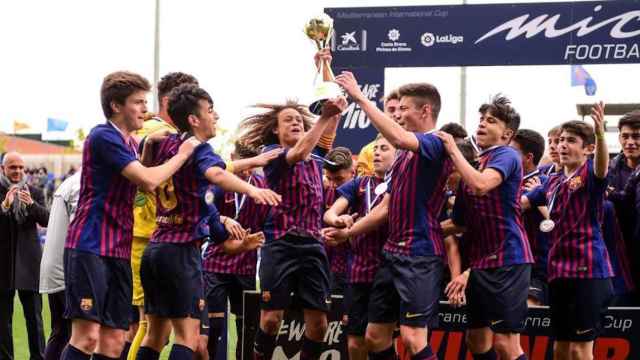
300 185
417 196
618 255
251 216
495 233
185 202
577 246
366 249
538 240
103 224
338 255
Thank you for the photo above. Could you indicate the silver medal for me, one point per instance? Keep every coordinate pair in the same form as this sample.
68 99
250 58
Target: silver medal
547 225
380 189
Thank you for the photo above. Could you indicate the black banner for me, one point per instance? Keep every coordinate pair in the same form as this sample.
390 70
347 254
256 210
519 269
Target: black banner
620 339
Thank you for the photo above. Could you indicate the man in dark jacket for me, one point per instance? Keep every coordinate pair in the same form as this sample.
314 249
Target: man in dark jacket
21 209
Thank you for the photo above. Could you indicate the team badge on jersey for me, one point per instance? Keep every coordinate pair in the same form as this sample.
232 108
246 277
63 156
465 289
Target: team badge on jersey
575 183
86 304
209 197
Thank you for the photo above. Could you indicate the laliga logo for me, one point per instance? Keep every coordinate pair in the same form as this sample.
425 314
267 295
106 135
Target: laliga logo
547 24
428 39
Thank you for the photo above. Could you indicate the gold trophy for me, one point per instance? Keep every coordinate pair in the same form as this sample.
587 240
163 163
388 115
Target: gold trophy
320 30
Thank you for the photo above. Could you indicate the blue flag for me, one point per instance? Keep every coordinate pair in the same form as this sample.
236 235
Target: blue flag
580 77
56 124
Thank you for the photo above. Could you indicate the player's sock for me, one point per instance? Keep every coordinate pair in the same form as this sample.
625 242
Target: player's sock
72 353
125 350
102 357
522 357
216 325
240 337
311 350
389 354
263 345
180 352
489 355
425 354
137 340
147 353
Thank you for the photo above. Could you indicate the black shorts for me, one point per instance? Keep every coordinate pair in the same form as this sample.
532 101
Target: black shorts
220 287
98 288
357 306
538 289
577 307
294 264
338 283
171 277
406 289
497 298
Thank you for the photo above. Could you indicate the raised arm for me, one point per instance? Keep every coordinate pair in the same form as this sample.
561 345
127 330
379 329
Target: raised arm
601 163
229 182
331 108
392 131
148 178
481 182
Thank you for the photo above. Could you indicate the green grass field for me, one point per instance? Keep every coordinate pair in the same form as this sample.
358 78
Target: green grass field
21 346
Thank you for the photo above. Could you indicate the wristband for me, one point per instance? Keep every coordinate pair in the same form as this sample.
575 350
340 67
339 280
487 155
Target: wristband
599 136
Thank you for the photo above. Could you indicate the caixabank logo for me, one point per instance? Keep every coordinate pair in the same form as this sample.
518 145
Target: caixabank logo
430 39
350 41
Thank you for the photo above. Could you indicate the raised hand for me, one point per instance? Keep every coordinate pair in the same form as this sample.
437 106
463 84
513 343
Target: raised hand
350 85
597 114
187 147
266 157
265 197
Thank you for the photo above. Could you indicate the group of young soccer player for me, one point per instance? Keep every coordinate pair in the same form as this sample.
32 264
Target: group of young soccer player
165 224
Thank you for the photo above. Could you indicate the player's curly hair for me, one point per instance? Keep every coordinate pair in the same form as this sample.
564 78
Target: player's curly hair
500 107
341 156
256 131
172 80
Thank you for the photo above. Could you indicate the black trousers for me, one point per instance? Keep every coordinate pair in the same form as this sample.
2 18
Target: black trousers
60 327
32 306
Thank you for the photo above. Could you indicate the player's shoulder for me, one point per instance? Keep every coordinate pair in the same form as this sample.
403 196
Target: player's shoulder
103 130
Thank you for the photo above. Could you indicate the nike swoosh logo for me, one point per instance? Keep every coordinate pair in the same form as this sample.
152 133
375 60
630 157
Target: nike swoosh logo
205 327
496 322
534 288
582 332
410 315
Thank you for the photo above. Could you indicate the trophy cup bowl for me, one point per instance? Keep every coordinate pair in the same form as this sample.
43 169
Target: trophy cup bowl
320 31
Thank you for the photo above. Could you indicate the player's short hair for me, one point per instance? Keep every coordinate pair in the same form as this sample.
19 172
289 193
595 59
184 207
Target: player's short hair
530 142
183 101
424 93
171 80
393 95
580 129
242 151
555 131
500 107
630 119
454 129
118 86
341 156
